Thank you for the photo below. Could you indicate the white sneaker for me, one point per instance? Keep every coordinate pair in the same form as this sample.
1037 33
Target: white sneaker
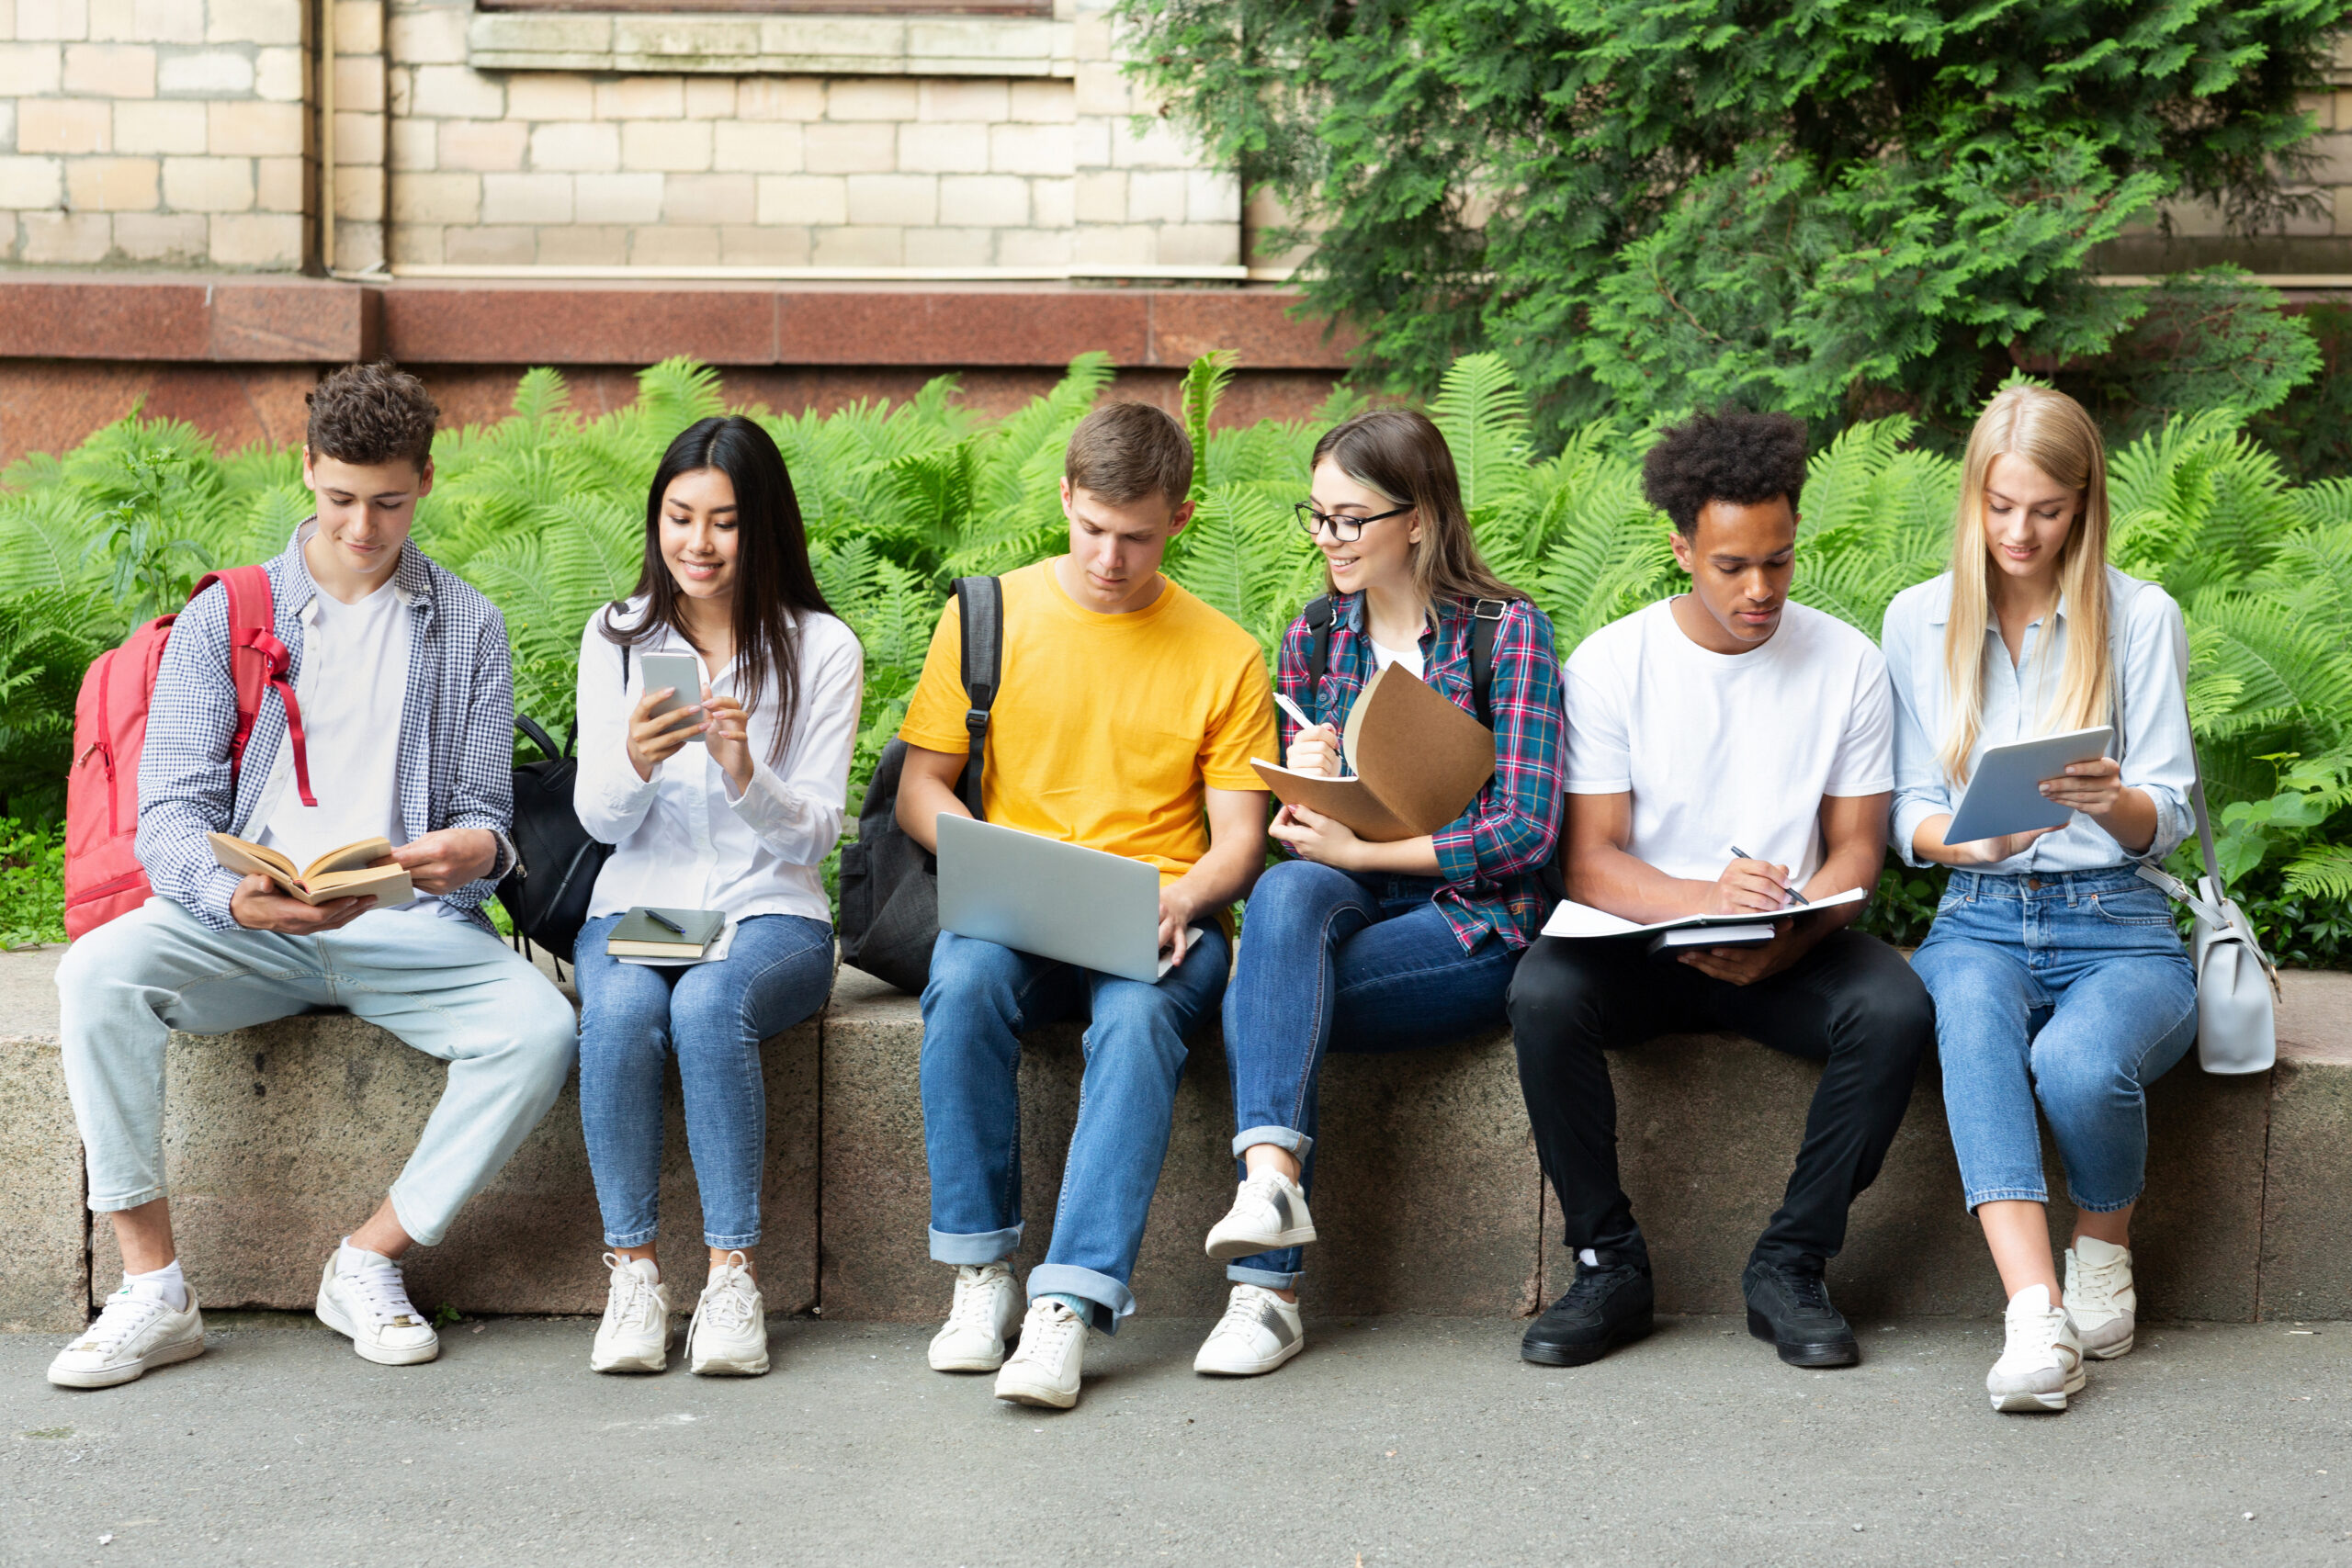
1259 1332
987 1313
1268 1212
635 1334
2101 1299
2042 1361
729 1336
1045 1370
136 1331
369 1306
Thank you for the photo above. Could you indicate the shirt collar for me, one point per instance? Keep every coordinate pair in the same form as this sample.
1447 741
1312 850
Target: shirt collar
1940 608
410 581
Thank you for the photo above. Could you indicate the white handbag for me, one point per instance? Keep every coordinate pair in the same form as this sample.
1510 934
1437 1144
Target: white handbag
2237 985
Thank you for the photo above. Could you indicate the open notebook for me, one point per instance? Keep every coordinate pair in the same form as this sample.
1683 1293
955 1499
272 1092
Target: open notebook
1583 920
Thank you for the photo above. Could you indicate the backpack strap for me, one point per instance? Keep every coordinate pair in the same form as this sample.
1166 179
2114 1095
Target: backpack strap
1318 649
980 604
1485 624
253 633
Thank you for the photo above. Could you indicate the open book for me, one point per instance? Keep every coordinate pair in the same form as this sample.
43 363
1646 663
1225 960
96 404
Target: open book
1419 762
338 874
1571 920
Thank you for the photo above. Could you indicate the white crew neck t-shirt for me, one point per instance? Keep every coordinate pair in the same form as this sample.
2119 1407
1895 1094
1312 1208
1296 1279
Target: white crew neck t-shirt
1724 749
352 685
1410 658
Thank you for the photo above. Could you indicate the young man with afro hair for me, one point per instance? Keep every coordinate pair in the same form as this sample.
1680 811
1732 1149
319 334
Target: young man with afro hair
1728 753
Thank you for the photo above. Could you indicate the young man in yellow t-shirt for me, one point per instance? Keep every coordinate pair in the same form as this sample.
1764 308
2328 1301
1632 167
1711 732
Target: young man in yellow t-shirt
1127 713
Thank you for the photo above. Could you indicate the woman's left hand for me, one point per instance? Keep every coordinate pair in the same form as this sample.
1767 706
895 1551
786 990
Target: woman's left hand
2092 788
1326 841
728 736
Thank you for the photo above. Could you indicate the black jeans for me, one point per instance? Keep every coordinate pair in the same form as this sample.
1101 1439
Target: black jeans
1852 1002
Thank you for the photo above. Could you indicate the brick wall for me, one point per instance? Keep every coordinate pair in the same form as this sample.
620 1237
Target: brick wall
161 131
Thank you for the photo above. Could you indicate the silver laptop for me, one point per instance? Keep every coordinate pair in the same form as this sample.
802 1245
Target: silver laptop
1035 895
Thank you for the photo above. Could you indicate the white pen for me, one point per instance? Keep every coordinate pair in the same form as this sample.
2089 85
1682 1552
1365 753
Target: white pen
1297 713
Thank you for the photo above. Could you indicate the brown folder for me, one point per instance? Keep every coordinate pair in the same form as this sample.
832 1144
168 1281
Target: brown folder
1418 761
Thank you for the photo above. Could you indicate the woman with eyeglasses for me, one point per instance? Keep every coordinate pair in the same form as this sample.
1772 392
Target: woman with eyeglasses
1353 945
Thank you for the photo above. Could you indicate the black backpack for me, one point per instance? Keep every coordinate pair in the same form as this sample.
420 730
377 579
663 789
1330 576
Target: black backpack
1489 619
889 883
546 891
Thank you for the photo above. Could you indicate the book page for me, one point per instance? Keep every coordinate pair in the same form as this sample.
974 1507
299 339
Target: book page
1573 920
248 859
389 885
350 857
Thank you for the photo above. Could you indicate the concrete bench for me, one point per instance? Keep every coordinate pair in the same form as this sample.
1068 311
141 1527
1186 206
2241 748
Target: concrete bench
1428 1195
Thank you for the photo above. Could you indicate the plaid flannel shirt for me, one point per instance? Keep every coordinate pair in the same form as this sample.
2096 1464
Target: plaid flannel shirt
1492 856
457 750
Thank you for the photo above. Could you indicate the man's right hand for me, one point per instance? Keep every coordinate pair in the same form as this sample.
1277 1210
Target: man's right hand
1749 887
258 906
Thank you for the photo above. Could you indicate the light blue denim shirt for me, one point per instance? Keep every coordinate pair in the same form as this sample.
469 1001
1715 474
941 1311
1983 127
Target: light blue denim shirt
2153 670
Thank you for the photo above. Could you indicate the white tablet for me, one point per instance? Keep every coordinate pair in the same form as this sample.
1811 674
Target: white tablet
2005 793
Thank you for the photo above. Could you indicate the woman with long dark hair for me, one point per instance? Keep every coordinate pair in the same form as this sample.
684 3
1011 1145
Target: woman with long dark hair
1357 945
729 801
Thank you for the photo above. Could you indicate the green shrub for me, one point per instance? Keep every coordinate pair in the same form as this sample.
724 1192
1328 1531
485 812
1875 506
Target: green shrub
32 884
544 512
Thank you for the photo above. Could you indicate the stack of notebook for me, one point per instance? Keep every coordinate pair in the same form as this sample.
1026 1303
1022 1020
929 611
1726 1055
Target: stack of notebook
674 934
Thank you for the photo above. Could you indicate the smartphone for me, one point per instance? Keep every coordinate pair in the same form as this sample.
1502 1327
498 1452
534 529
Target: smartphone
683 670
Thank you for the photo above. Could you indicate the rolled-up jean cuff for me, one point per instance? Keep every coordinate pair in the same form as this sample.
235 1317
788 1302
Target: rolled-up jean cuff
115 1205
634 1238
1110 1299
1288 1138
977 1249
1272 1278
731 1243
2009 1195
419 1232
2088 1207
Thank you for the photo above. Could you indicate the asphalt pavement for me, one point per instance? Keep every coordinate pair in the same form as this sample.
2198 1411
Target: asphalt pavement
1390 1442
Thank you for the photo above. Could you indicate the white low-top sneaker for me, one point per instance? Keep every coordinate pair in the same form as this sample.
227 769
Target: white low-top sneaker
729 1337
1045 1370
2101 1299
2042 1361
987 1313
1268 1212
136 1331
635 1333
369 1306
1259 1332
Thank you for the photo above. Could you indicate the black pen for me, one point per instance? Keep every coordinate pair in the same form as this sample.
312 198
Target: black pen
659 918
1788 897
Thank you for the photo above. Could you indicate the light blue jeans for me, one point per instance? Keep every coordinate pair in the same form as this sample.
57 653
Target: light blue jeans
445 987
712 1017
2069 990
981 999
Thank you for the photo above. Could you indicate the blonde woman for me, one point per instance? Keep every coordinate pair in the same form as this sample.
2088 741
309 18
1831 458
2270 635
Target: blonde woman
2058 976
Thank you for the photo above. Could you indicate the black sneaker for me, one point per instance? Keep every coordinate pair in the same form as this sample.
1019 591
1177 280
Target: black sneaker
1610 1304
1791 1308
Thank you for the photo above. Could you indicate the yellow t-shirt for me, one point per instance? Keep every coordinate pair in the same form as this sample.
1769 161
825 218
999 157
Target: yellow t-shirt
1106 729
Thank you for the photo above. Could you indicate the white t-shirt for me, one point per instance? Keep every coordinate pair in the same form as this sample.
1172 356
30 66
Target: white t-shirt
353 682
1410 658
1724 749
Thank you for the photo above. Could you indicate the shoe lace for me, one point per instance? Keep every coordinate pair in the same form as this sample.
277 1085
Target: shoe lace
126 1314
973 1307
1048 1332
727 1303
382 1294
1242 1311
637 1301
2100 1282
1594 1281
1807 1290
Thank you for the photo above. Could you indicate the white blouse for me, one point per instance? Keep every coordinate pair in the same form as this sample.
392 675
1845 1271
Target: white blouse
2151 674
683 838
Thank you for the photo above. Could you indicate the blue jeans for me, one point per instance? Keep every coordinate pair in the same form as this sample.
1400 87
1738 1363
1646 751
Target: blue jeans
981 999
2069 989
711 1017
1335 962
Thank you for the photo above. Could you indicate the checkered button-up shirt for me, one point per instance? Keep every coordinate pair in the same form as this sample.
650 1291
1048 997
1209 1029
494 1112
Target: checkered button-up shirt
457 746
1492 856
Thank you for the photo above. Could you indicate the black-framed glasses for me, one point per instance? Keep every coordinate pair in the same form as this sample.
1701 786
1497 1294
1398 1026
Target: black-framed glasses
1346 530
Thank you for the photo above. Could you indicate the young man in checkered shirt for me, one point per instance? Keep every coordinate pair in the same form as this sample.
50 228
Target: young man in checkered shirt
408 703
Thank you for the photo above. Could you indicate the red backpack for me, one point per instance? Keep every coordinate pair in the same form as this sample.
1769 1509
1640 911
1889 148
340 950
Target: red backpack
103 876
